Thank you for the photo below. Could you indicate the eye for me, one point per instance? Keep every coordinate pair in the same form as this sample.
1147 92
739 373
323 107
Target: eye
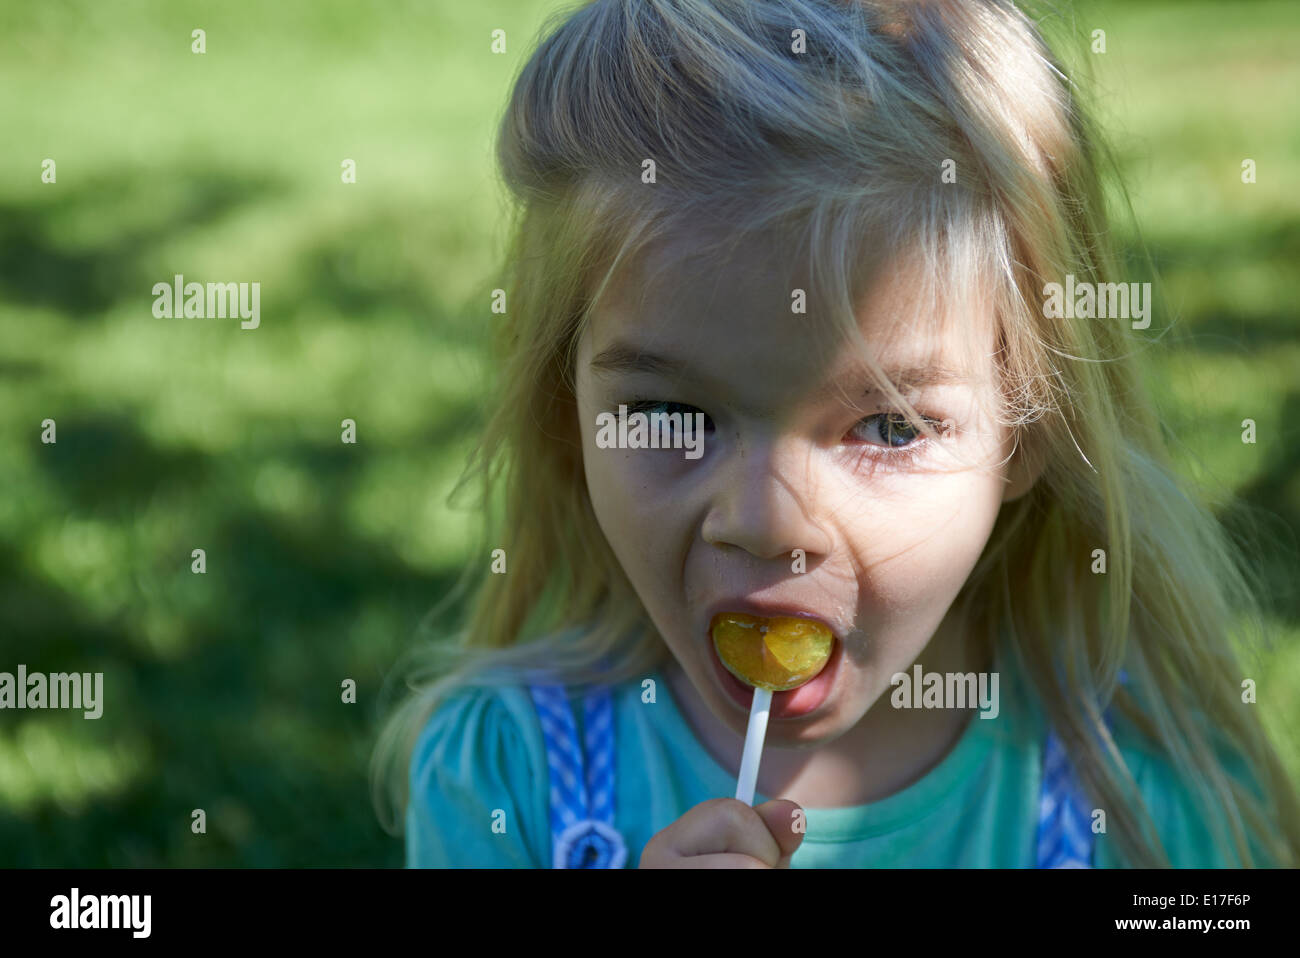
891 429
649 406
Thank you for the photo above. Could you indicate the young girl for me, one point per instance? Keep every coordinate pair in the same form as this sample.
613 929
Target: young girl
827 233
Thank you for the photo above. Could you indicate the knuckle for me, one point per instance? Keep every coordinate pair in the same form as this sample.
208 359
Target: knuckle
734 813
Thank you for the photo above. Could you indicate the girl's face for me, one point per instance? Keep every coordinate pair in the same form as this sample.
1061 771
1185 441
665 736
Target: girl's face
890 523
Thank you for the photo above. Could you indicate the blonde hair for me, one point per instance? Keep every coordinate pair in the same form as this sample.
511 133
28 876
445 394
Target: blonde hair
840 147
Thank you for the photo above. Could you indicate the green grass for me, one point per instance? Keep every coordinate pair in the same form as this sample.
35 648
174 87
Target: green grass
223 690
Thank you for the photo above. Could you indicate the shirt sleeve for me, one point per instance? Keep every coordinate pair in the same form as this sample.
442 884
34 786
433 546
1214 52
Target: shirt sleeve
478 785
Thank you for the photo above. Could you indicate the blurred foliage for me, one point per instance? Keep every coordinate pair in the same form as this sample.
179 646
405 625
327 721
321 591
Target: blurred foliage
223 690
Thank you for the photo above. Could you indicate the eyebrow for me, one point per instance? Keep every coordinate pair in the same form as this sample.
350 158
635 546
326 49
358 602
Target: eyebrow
622 357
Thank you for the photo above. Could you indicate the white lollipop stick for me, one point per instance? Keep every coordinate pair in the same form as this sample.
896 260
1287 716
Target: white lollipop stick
753 745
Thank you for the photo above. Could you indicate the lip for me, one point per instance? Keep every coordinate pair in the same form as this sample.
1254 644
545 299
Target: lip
796 703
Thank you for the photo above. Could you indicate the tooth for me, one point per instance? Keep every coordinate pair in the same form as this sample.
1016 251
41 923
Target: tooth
778 653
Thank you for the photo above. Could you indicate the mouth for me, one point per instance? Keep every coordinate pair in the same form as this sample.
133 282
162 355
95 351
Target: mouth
798 657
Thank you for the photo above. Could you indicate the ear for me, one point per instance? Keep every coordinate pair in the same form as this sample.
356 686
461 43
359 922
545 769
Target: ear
1025 468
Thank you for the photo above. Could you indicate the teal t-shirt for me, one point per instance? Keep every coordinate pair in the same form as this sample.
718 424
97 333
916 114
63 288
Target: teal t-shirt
479 791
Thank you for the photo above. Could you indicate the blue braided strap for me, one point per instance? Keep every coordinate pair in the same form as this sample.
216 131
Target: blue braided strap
1065 837
1064 824
582 792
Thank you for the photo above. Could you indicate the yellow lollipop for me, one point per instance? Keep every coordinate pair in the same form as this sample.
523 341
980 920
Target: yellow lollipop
773 655
777 654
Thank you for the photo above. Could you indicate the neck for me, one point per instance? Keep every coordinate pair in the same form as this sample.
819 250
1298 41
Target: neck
886 751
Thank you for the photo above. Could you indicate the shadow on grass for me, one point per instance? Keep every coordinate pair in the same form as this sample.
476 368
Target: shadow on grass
102 462
1270 522
39 268
1210 328
245 722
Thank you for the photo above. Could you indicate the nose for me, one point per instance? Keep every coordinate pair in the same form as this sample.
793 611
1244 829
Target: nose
764 501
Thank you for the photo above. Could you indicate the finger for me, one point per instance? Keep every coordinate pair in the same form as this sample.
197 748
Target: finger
780 816
722 826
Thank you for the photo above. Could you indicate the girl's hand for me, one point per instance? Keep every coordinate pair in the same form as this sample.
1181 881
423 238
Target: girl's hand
727 833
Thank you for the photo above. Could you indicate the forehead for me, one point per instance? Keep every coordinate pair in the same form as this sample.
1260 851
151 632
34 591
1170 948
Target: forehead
754 324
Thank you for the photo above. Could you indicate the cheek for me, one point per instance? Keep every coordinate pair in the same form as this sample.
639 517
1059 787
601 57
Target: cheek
629 501
924 538
914 566
616 492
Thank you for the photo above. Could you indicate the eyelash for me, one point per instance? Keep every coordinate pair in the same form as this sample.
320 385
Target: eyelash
895 457
645 405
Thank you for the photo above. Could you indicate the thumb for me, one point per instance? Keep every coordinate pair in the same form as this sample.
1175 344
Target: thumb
785 820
